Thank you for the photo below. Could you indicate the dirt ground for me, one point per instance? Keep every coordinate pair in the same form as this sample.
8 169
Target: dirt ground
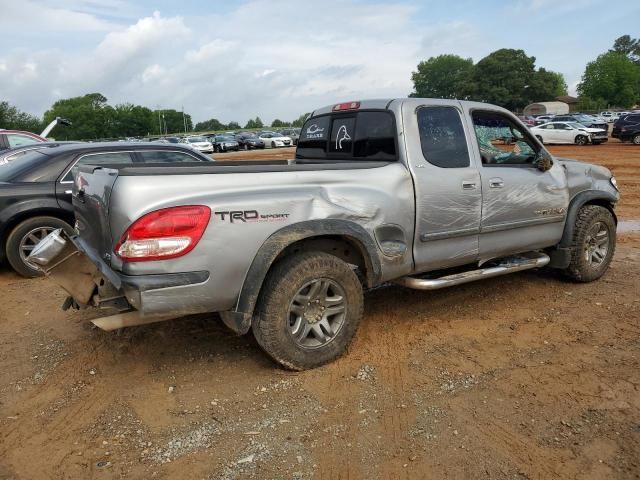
520 377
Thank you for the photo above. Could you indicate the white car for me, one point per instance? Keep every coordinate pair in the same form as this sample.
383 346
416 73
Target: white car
569 132
274 140
199 143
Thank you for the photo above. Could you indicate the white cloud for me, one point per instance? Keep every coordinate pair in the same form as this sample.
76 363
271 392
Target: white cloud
15 16
269 58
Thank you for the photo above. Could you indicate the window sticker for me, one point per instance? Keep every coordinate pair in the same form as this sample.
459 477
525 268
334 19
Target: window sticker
343 135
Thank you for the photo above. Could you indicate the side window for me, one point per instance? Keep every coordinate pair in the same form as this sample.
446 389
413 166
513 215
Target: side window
17 140
442 137
313 138
166 156
502 141
342 133
111 158
375 136
561 126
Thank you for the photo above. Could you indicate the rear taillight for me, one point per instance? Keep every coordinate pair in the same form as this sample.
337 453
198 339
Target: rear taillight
164 234
346 106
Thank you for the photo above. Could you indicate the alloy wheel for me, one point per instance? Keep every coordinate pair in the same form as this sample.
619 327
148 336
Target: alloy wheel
317 313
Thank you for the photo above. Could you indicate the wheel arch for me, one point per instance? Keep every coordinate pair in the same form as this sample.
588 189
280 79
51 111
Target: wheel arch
345 239
561 255
20 215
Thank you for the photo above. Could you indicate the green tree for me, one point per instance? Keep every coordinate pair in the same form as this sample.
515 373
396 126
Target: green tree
132 121
233 126
254 123
14 119
90 115
503 78
211 124
299 122
546 85
277 123
628 46
444 76
611 79
171 121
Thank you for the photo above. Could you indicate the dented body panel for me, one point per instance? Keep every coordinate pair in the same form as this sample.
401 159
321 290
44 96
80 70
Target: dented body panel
400 217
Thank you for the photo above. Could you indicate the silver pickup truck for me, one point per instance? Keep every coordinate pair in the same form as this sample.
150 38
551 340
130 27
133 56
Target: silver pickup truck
421 192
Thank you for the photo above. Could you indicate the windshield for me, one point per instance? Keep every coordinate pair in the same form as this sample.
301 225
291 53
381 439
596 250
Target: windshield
196 139
31 167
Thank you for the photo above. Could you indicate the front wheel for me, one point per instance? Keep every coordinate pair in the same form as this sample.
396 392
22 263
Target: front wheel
581 140
593 245
309 310
539 139
273 144
25 236
636 139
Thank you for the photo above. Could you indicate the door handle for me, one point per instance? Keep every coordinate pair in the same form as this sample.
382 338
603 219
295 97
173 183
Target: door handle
466 185
496 183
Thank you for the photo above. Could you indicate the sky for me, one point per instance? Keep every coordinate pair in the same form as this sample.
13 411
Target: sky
233 60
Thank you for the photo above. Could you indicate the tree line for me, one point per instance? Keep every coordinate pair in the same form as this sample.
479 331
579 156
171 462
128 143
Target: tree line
93 118
509 78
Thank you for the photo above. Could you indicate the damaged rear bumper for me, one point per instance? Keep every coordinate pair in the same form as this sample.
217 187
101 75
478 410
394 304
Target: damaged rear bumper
90 282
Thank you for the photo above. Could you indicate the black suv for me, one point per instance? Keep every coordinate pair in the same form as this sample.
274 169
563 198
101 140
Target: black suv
585 120
627 128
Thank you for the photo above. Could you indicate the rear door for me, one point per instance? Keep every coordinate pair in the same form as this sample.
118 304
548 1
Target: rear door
447 184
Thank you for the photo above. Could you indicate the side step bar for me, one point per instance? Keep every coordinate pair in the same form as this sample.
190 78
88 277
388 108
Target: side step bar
512 264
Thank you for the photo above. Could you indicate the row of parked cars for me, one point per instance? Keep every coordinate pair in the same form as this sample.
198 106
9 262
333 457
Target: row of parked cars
583 129
234 141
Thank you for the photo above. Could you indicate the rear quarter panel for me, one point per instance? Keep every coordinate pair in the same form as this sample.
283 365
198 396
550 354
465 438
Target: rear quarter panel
268 201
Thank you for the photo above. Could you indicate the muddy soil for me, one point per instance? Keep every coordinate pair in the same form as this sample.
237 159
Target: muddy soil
519 377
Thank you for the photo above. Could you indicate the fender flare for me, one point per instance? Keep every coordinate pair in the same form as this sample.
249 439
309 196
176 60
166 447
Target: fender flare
576 204
561 254
239 320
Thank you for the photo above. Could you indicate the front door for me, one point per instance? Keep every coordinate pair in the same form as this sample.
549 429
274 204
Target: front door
524 202
447 185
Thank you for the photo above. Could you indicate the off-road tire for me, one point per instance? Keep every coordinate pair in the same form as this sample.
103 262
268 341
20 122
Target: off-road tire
16 235
271 322
579 269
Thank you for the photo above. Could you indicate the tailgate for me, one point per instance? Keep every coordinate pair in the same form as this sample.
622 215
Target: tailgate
92 189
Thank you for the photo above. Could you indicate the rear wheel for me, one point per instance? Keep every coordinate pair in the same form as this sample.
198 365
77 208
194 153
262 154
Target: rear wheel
25 236
594 243
636 139
581 140
309 310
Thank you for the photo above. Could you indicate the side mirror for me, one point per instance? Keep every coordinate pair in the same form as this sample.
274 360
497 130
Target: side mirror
544 162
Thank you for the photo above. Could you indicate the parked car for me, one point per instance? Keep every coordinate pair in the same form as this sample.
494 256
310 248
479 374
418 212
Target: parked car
627 128
249 141
274 140
18 138
569 132
35 192
292 133
12 154
225 143
585 120
544 118
286 250
200 144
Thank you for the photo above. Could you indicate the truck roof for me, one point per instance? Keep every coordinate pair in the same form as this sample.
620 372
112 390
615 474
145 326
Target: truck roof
384 104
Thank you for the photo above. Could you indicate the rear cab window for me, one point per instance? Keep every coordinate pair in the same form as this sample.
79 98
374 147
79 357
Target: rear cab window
367 135
442 137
